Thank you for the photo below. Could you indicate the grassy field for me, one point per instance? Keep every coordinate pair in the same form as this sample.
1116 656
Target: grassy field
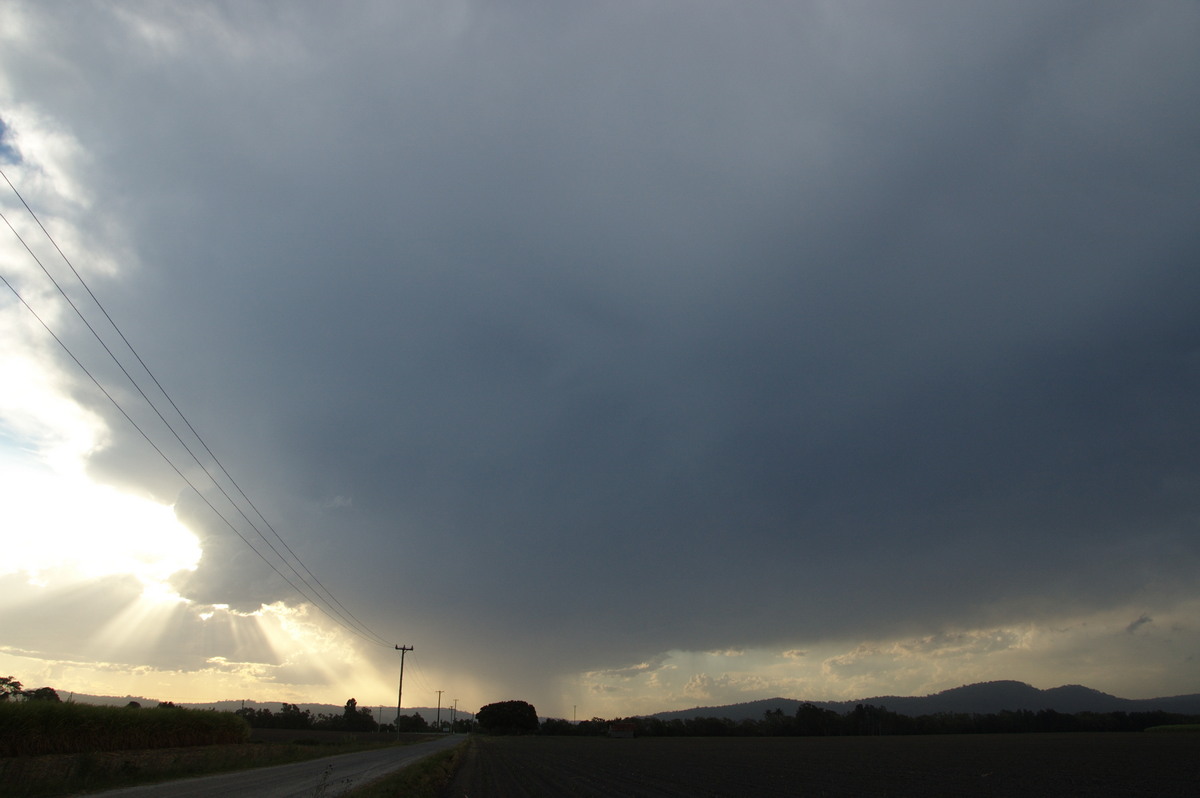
1081 764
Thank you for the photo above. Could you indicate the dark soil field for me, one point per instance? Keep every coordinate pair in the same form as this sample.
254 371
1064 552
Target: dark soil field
1111 764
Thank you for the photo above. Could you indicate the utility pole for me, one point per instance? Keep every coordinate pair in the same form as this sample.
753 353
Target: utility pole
454 715
438 724
400 692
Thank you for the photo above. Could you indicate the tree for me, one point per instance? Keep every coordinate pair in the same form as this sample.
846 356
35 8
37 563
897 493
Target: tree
815 721
558 726
355 719
352 719
508 717
260 718
709 727
43 694
777 724
9 688
411 723
291 716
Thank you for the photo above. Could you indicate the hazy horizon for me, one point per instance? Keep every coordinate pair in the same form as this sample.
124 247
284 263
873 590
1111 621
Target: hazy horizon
386 713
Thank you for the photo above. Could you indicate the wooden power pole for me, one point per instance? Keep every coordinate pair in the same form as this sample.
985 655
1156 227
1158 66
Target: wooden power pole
400 692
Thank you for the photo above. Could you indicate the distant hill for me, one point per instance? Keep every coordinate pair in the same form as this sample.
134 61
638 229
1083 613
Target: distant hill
983 698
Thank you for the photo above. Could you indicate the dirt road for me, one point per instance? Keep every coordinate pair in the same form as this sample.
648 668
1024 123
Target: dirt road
977 765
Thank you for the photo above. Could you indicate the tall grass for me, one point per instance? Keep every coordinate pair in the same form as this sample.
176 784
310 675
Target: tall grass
32 728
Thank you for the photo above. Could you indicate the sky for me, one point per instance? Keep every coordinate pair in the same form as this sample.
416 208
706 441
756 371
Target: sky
617 357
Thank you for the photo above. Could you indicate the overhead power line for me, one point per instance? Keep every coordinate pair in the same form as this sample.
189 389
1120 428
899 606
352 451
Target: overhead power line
153 445
145 368
316 592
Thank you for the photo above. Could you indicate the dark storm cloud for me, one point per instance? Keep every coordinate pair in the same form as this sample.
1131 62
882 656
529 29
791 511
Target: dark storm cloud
682 327
1140 622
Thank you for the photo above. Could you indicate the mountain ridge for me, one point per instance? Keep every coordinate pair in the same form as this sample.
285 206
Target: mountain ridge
979 698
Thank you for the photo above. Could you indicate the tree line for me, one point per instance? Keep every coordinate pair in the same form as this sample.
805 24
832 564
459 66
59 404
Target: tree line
11 689
810 720
352 719
290 716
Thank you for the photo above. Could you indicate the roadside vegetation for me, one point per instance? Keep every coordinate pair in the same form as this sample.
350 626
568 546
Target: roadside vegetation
49 747
69 774
37 728
428 778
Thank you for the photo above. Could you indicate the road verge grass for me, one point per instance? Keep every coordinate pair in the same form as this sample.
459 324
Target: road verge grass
428 778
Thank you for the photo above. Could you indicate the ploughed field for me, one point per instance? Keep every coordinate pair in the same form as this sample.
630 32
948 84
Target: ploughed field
1109 764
